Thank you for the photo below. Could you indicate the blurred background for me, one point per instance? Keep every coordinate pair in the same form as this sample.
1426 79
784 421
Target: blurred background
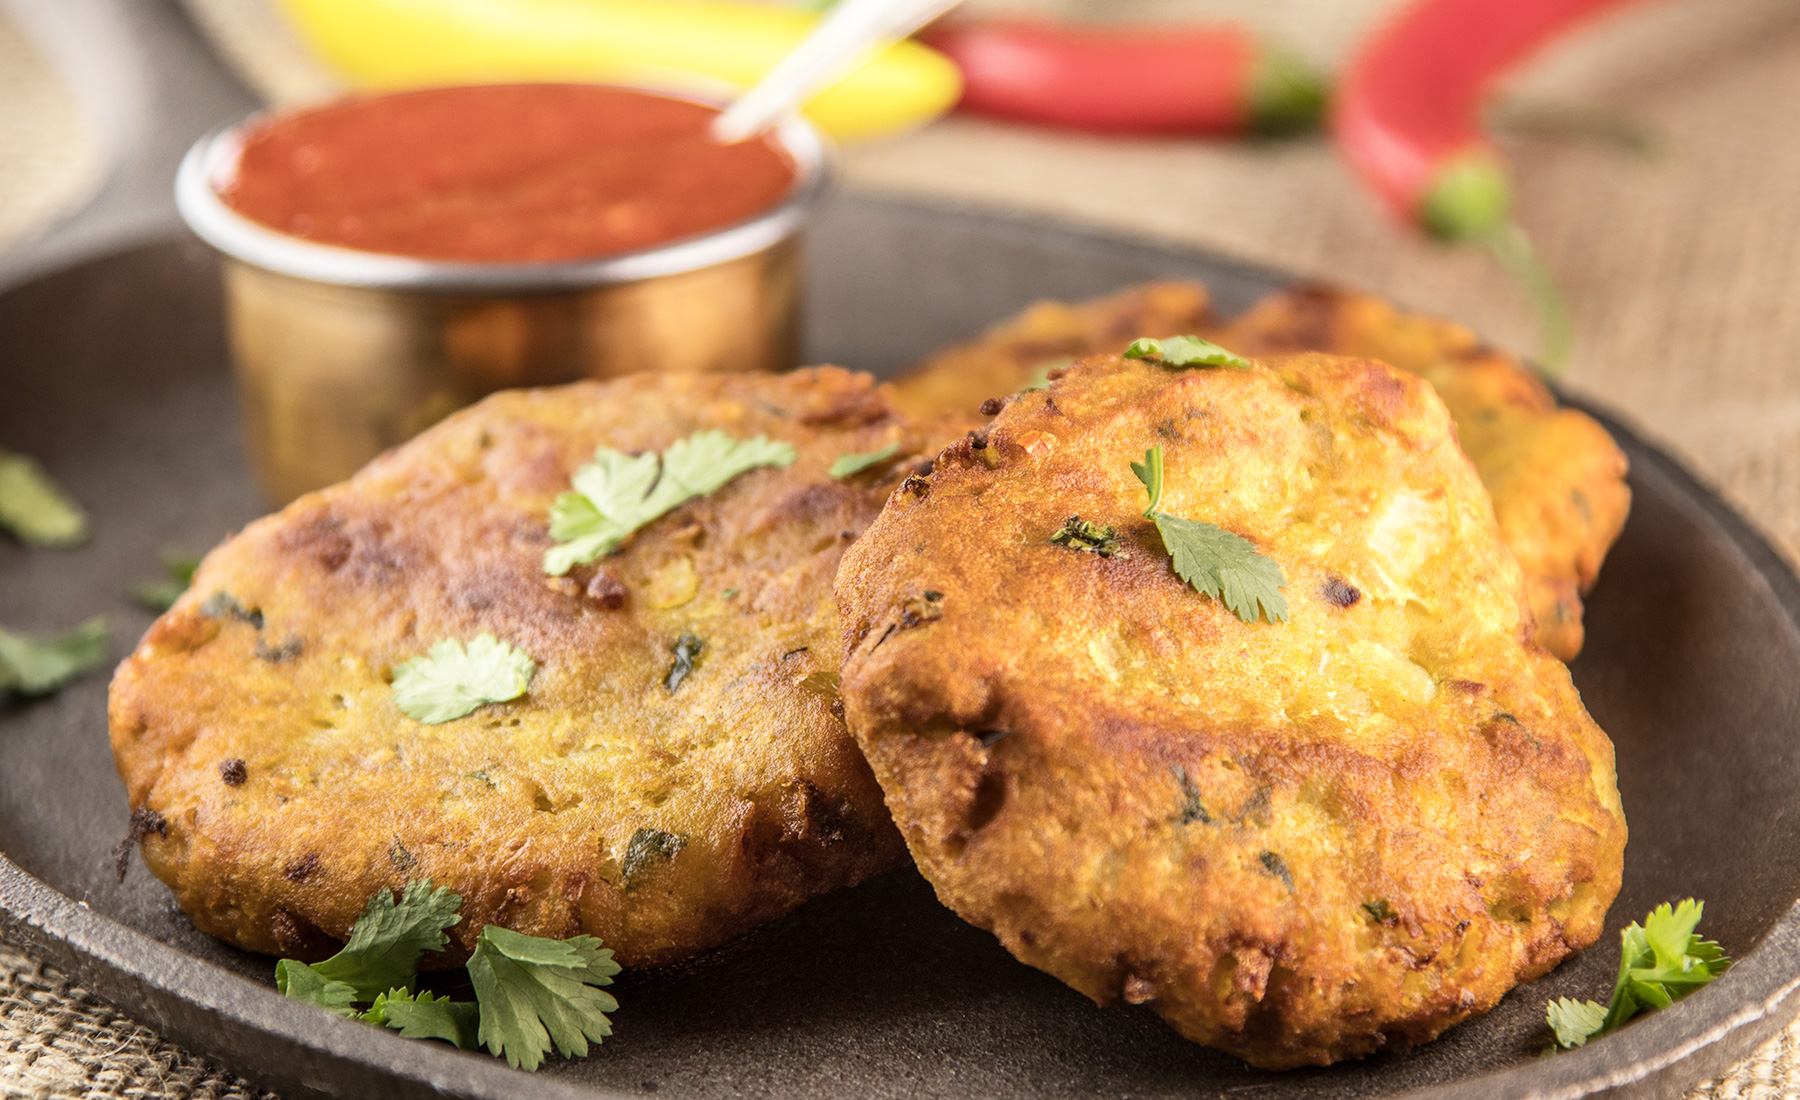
1655 156
1666 207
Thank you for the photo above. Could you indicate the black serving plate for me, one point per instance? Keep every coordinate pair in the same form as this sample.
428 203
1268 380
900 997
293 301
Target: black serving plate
114 373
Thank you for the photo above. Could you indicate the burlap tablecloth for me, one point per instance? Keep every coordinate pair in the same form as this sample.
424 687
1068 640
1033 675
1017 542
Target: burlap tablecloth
1683 270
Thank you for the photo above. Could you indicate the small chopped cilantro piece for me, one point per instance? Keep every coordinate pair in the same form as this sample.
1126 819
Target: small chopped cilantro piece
617 493
1380 911
1185 351
160 595
687 652
1213 560
451 681
1080 534
34 509
1660 962
427 1017
1575 1022
730 593
534 993
850 464
30 666
302 983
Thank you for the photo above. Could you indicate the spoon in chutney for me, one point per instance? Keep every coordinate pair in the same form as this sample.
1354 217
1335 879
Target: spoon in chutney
842 37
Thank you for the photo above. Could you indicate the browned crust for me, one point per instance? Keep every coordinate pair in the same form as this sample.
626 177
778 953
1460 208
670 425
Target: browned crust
1556 477
527 808
1298 842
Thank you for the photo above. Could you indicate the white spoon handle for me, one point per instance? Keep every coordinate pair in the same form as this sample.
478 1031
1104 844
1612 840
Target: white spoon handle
847 31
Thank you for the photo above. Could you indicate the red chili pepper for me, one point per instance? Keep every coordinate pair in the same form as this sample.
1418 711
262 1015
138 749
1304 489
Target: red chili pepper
1181 79
1408 112
1408 118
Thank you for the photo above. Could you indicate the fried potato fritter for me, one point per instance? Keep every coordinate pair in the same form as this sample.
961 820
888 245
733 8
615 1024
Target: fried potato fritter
1556 477
1046 335
256 716
1299 842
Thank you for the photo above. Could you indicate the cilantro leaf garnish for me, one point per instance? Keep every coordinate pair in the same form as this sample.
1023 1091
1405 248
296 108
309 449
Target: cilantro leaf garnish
34 509
536 992
618 493
849 464
1213 560
530 993
1185 351
302 983
31 666
1660 962
1084 534
427 1017
451 681
383 950
160 595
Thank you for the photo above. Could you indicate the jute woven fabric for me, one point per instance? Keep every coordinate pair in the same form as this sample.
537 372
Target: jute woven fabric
1683 270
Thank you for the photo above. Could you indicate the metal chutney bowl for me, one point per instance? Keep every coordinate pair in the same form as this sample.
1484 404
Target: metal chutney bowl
341 354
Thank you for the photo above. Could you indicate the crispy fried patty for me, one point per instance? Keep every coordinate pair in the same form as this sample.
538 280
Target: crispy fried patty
257 720
1556 477
1298 842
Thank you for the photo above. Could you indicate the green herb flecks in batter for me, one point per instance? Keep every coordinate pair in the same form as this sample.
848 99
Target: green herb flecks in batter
1213 560
1661 961
160 595
646 848
30 666
530 993
851 464
1273 864
687 651
1192 809
618 493
1380 911
1185 351
34 509
451 681
1094 538
536 992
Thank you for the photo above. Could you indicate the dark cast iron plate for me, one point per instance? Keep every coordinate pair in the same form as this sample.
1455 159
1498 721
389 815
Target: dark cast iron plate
114 374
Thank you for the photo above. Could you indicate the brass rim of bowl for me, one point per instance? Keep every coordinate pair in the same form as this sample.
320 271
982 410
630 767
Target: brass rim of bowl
213 156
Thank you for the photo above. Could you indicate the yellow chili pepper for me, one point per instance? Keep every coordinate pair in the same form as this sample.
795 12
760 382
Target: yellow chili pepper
697 46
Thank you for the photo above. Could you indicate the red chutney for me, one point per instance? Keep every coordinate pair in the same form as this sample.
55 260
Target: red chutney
503 173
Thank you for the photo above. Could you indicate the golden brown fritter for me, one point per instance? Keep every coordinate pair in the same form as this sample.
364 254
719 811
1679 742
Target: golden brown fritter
256 716
1012 354
1556 477
1298 842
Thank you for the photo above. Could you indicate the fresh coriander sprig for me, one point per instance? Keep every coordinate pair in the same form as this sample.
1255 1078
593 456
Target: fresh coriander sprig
32 666
34 509
531 994
451 681
618 493
1660 962
1211 559
535 992
1185 351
